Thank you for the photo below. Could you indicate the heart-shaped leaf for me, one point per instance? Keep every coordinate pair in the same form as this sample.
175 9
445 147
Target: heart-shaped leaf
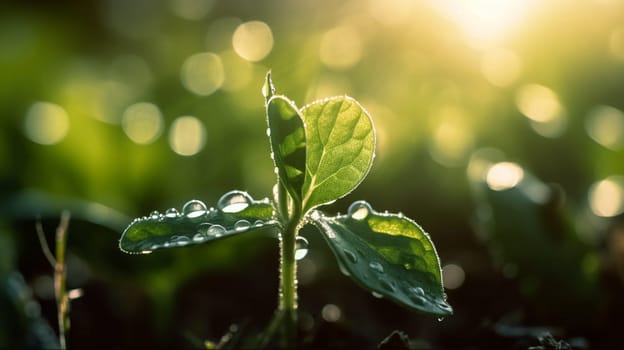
236 213
288 143
340 148
388 254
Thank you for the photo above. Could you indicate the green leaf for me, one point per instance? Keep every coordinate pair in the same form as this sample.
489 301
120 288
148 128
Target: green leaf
236 213
288 143
388 254
340 149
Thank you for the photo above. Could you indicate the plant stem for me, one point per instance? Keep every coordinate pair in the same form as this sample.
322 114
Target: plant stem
62 299
288 277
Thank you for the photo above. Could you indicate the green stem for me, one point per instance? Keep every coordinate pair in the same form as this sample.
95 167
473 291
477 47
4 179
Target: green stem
60 291
288 277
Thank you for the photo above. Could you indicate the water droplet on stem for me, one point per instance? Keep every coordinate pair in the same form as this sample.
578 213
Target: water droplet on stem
301 247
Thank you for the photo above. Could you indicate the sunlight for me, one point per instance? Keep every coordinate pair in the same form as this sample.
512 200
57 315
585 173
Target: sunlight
486 21
606 197
187 136
503 176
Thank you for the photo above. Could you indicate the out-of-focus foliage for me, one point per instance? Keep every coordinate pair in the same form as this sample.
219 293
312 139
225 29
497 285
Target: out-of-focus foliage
116 106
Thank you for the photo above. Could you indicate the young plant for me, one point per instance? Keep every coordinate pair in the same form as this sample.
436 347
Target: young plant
321 153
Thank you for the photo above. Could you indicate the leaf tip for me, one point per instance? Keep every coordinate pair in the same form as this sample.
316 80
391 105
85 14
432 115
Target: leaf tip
268 89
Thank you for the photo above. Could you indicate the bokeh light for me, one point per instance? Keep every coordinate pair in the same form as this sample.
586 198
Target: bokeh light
203 73
142 122
481 161
46 123
606 197
453 276
542 107
504 175
187 136
331 313
605 125
341 47
253 40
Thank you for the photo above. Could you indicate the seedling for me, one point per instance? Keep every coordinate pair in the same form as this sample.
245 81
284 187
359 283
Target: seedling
321 153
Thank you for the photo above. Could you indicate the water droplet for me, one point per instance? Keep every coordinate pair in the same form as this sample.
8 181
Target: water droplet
377 295
199 237
194 209
166 244
183 240
376 266
440 319
360 210
351 256
268 132
172 213
154 215
216 230
146 252
154 246
400 215
258 223
234 201
301 247
242 225
418 291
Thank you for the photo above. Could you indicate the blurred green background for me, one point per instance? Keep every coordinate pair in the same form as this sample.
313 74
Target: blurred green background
499 126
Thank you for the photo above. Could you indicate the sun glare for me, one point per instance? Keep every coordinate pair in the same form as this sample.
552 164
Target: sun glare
485 21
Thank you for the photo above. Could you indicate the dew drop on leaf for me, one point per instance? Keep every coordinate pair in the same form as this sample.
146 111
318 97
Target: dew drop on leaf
146 252
377 295
194 209
199 237
360 210
216 230
182 241
258 223
351 256
234 201
376 266
242 225
417 291
301 248
172 213
154 215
